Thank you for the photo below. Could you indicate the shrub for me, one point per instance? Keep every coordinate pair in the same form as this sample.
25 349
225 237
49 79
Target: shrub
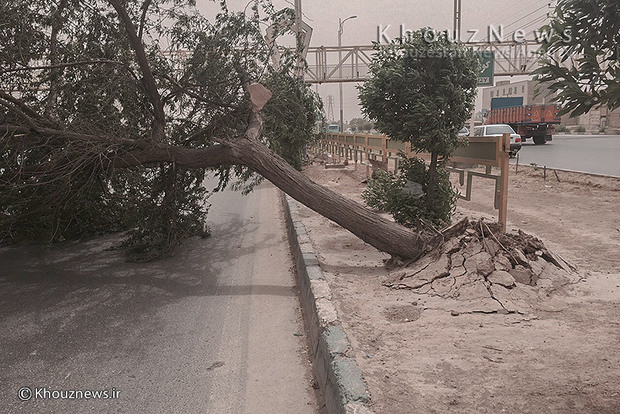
403 194
580 129
561 128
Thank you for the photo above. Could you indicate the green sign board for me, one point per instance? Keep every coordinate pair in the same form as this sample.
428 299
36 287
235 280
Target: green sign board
487 67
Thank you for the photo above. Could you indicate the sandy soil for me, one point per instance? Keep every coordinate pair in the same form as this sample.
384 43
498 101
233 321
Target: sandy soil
421 351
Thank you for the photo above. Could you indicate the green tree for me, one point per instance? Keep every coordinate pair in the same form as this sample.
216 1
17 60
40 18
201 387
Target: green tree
360 125
113 111
421 90
402 195
581 59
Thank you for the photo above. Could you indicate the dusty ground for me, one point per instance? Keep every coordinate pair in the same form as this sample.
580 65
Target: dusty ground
556 351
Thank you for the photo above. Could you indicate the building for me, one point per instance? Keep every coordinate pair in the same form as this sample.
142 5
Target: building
597 120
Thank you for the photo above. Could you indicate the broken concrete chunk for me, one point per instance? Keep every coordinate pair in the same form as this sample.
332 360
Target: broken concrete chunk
502 278
502 263
492 247
520 257
472 249
538 266
524 276
481 263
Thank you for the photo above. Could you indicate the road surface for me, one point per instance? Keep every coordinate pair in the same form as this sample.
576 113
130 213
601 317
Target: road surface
599 154
215 329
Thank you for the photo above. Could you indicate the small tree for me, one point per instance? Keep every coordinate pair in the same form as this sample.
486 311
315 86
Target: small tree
401 195
585 34
360 124
421 91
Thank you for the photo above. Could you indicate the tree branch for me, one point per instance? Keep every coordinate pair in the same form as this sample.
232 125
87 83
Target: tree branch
145 7
71 136
27 110
62 65
52 97
190 93
150 84
12 107
212 156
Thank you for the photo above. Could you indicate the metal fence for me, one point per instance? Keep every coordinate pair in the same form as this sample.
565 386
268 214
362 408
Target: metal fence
379 151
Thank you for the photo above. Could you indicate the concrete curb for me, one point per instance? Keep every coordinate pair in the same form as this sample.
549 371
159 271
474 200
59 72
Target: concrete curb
568 171
337 373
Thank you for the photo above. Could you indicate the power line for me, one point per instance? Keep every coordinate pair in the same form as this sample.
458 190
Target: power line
518 20
538 20
527 15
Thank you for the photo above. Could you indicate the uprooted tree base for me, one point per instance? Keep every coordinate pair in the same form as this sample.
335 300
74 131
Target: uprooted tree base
484 270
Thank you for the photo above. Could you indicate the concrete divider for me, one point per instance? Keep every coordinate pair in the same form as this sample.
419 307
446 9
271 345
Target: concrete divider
339 377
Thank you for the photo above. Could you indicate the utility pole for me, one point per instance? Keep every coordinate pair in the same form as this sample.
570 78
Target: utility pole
330 109
340 29
457 20
298 38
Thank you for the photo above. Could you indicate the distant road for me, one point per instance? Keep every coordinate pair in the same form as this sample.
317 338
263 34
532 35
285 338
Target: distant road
215 329
599 154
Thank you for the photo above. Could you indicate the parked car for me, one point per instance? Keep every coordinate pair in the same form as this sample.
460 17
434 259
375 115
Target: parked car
497 130
464 132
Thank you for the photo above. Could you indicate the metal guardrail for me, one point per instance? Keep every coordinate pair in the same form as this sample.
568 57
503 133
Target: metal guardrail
487 151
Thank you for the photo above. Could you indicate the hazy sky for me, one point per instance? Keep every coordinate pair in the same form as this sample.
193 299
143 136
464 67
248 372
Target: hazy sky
476 15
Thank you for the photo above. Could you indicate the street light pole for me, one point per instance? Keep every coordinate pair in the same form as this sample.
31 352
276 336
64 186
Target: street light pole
457 21
340 29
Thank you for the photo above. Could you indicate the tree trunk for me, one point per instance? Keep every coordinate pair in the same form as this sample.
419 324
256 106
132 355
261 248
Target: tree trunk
432 179
380 233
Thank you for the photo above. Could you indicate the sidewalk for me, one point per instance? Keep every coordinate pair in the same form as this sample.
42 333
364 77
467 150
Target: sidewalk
420 351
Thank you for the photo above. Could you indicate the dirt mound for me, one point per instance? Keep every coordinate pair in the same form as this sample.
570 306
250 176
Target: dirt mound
487 270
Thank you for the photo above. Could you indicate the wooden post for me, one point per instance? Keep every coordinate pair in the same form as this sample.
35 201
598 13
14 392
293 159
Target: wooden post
517 166
504 168
367 158
384 149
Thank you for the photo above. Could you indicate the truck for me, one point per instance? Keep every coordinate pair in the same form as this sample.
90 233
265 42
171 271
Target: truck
530 121
333 128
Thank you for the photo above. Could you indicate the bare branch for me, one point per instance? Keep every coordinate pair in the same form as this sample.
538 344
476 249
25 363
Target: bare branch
71 136
186 89
145 7
62 65
22 106
149 80
13 108
52 97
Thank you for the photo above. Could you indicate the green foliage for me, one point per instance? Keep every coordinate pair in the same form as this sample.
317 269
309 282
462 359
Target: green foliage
580 129
392 193
561 128
69 66
586 34
173 212
360 125
421 90
290 117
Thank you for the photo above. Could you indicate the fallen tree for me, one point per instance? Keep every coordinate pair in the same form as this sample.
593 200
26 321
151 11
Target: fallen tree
101 129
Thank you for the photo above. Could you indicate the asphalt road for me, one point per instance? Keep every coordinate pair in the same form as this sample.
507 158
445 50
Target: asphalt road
599 154
215 329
